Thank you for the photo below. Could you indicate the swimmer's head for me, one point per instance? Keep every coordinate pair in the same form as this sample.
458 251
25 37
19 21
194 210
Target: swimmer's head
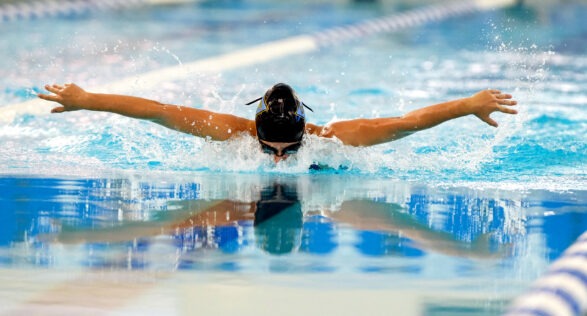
280 115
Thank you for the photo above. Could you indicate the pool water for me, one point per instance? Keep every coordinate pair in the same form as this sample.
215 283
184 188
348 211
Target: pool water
102 213
456 248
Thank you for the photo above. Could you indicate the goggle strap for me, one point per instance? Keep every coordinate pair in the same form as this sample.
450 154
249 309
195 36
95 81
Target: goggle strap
258 99
307 107
254 101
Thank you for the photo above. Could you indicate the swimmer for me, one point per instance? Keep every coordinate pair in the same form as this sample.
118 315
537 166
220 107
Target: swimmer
280 120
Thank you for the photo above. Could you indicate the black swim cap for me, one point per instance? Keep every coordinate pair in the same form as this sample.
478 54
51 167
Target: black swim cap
280 116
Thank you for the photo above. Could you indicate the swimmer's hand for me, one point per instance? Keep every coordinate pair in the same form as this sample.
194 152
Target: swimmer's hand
485 102
70 96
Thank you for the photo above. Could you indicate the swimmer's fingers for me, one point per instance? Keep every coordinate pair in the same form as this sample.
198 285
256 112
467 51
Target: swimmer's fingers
504 102
498 95
49 97
61 89
68 95
488 120
54 98
59 109
55 88
485 118
504 99
507 102
507 110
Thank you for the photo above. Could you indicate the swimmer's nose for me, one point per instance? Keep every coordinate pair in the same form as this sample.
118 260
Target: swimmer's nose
277 158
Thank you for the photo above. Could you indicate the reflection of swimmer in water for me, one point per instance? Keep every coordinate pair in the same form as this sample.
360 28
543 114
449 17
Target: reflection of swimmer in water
278 223
280 121
278 219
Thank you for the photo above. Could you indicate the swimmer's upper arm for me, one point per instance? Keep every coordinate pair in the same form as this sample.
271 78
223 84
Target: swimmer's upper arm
314 129
364 132
204 123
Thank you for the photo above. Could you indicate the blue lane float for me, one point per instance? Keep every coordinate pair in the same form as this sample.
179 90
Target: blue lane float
562 291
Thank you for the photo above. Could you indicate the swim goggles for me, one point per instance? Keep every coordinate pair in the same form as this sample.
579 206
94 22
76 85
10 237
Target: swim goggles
289 150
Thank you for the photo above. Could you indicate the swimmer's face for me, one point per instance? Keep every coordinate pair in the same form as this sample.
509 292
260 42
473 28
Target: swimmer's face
279 150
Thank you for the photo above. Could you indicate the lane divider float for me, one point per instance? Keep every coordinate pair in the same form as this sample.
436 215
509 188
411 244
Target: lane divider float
45 9
562 290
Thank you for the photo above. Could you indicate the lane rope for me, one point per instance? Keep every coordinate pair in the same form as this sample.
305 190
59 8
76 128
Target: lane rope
562 290
52 8
264 52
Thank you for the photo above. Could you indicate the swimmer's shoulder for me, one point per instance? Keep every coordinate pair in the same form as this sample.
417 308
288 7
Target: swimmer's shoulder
313 129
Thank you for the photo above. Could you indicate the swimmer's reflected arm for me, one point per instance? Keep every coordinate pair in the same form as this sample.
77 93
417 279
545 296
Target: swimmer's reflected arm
193 121
367 132
186 214
388 217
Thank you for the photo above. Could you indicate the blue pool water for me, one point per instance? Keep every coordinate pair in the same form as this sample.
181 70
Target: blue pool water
459 219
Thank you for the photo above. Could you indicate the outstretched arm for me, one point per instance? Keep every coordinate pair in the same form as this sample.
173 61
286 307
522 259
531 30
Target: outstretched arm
193 121
367 132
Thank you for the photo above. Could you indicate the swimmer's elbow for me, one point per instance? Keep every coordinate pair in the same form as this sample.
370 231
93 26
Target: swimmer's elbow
371 132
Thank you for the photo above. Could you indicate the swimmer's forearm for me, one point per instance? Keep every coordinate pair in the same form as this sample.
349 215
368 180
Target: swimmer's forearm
72 98
198 122
390 129
433 115
481 104
130 106
368 132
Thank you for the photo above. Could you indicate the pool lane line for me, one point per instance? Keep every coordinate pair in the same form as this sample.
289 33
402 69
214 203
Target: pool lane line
562 290
272 50
44 9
